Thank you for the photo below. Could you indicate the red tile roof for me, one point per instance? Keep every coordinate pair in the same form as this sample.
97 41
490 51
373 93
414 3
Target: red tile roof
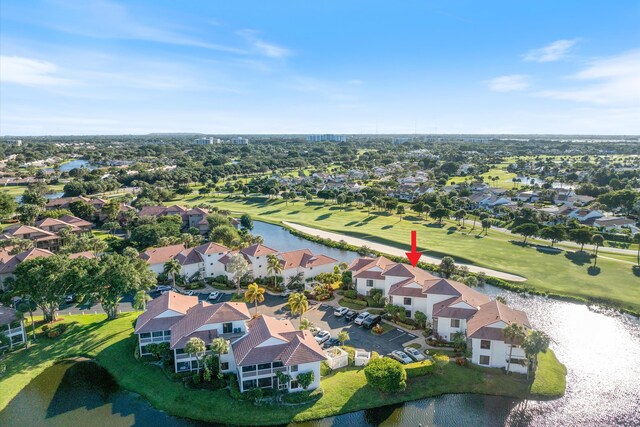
170 301
162 254
490 313
258 250
304 258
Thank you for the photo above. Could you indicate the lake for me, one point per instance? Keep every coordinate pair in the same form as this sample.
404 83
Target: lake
600 349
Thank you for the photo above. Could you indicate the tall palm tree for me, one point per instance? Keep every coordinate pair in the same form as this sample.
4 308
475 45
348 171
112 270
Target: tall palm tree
274 267
140 300
219 346
598 240
254 294
298 304
305 324
514 333
195 347
171 268
343 337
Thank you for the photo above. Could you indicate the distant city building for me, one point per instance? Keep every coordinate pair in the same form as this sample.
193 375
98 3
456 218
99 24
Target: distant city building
327 137
240 141
400 140
207 140
16 142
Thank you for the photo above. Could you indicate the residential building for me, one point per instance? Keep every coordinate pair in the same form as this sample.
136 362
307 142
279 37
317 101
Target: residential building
327 137
399 141
304 262
12 326
64 202
260 347
615 224
75 224
257 256
194 217
42 239
238 140
198 262
207 140
585 216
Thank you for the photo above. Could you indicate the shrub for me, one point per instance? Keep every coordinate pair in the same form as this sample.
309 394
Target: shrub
324 369
303 396
351 294
440 361
195 379
45 328
418 369
378 330
461 361
53 333
386 374
234 388
305 379
357 302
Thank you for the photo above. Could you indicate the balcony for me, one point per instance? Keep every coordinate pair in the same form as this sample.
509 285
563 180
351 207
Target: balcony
14 331
187 356
263 372
153 340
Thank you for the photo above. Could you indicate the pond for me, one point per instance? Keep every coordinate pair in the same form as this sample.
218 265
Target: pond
74 164
600 349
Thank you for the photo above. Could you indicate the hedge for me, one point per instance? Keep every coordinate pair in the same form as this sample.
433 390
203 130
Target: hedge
418 369
358 302
386 374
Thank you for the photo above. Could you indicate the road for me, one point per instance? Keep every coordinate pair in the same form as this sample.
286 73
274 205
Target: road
397 251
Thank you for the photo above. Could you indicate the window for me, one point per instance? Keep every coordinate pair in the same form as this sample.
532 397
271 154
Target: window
294 384
264 382
180 351
277 364
455 323
227 328
485 344
224 366
249 368
167 333
264 366
248 384
485 360
157 334
407 301
369 283
183 366
407 313
145 335
294 368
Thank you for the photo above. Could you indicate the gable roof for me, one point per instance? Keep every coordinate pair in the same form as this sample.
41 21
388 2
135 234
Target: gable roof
7 315
161 254
294 347
258 250
10 265
174 301
211 248
303 258
492 312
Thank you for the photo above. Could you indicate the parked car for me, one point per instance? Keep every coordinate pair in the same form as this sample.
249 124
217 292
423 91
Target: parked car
340 311
331 342
371 321
286 293
214 295
162 288
361 317
414 354
350 315
314 330
400 356
322 336
69 298
189 293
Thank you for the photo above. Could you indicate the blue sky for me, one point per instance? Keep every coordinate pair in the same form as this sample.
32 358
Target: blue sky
243 67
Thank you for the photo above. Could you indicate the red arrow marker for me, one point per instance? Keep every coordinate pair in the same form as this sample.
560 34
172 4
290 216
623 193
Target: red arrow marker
414 255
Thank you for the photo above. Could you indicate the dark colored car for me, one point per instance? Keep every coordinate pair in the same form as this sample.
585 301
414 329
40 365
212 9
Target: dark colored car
371 321
350 315
332 342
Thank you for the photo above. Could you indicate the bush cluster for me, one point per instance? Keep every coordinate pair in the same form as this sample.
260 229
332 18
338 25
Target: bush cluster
386 374
418 369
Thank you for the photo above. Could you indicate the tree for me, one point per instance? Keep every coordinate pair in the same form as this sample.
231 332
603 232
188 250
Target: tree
527 230
254 295
298 304
535 342
421 319
225 234
460 215
486 225
8 205
447 266
343 337
400 211
171 268
515 334
386 374
140 300
581 236
28 213
28 306
246 222
305 324
114 276
111 210
597 240
555 233
238 267
195 347
82 209
45 281
636 240
368 204
35 195
439 213
501 299
274 267
219 346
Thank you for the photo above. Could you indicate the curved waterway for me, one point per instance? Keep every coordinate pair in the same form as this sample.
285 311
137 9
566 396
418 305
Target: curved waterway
600 349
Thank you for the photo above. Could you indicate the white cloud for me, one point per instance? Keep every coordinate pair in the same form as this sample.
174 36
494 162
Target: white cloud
262 47
552 52
31 72
510 83
613 81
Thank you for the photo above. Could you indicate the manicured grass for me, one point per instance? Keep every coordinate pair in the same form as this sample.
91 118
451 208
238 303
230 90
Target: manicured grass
551 378
559 272
112 345
17 190
345 303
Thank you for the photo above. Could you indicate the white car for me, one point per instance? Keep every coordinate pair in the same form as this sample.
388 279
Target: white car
401 356
414 354
286 293
214 295
322 336
341 311
189 293
163 288
361 317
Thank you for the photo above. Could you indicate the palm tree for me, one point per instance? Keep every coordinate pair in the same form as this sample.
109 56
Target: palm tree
305 324
140 300
597 240
298 304
171 268
343 337
514 333
400 211
254 294
195 347
460 214
219 346
274 267
535 342
238 267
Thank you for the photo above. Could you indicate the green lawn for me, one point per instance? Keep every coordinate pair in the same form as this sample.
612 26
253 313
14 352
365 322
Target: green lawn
561 273
17 190
112 345
551 379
